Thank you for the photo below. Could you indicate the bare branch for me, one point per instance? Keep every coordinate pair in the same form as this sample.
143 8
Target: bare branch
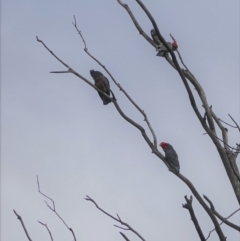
116 219
44 224
75 25
21 221
61 72
224 220
234 167
191 97
222 128
184 74
232 148
117 84
70 70
52 53
54 210
210 131
205 206
188 206
229 150
136 125
139 28
227 123
234 122
124 236
120 227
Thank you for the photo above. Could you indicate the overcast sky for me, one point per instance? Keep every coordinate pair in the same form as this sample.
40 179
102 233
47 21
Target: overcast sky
55 125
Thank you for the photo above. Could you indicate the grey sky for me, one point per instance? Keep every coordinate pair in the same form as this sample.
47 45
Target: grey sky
56 127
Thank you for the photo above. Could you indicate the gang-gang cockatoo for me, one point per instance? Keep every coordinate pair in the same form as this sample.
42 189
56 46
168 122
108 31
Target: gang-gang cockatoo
171 157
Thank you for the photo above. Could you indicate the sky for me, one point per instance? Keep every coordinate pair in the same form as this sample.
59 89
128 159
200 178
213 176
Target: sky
55 125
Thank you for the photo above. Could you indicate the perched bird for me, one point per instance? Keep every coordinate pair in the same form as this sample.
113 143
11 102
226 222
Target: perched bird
102 83
155 37
171 157
162 51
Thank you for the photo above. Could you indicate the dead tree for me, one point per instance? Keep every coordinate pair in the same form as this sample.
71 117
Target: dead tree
209 122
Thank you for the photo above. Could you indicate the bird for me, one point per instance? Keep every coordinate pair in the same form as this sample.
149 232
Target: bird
162 50
102 83
155 37
171 157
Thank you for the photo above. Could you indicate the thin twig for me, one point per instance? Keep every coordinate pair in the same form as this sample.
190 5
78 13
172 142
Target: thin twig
227 123
117 84
120 227
44 224
21 221
234 122
116 219
53 208
61 72
75 25
233 148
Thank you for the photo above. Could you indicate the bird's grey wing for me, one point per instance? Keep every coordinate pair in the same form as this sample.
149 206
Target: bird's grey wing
106 84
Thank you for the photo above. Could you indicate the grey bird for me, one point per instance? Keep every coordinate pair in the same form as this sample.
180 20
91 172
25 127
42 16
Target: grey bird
102 83
162 50
171 157
155 37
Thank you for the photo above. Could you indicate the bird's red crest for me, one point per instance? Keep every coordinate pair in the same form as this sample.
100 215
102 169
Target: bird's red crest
163 145
175 45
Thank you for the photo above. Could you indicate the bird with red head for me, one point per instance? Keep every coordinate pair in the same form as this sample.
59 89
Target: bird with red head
171 157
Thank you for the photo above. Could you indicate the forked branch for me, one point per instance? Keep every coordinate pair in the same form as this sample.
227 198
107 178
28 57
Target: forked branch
45 225
224 220
188 206
53 208
118 219
117 84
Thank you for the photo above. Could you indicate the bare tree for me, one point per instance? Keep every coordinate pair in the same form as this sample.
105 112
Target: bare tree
209 122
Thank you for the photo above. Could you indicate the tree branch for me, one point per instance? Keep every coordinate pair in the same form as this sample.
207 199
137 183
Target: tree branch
124 236
222 128
116 219
224 220
188 206
54 209
44 224
137 25
204 205
21 221
184 74
227 123
234 122
117 84
70 70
